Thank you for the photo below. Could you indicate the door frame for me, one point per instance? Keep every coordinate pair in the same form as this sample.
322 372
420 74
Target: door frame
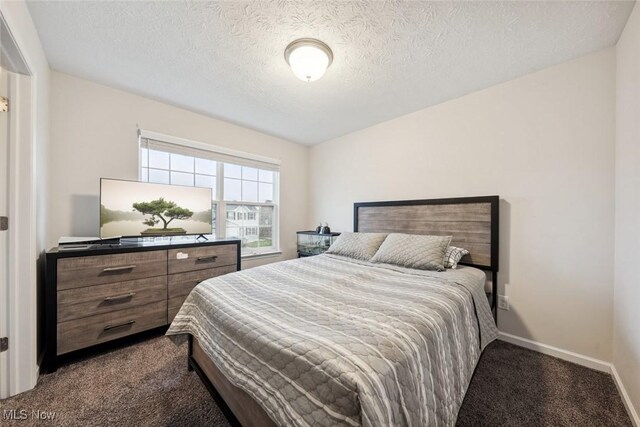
20 307
4 274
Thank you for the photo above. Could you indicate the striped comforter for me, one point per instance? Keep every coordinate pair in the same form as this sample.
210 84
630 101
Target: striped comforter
329 341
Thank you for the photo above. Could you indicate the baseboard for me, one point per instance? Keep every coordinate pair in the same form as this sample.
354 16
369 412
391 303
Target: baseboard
579 359
633 414
569 356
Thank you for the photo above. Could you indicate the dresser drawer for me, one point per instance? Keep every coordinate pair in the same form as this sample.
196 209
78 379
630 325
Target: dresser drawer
96 270
182 283
89 301
81 333
202 258
174 305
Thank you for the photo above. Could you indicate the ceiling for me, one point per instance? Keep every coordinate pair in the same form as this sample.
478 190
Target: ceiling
225 59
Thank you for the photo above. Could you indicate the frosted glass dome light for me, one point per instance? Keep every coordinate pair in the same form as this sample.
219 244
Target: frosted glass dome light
308 58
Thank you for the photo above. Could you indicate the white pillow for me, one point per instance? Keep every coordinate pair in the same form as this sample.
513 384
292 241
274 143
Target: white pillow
357 245
413 251
453 256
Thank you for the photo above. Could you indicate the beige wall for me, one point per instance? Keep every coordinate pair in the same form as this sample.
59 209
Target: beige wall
93 135
626 338
544 143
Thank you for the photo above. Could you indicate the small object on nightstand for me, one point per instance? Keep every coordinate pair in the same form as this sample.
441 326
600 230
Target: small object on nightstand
313 243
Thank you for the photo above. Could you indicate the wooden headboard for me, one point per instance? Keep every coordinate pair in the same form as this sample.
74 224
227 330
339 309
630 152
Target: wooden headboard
471 221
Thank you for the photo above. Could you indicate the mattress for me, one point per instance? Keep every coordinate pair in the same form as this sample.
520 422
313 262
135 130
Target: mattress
328 340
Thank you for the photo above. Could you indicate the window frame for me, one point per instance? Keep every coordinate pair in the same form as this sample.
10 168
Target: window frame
218 202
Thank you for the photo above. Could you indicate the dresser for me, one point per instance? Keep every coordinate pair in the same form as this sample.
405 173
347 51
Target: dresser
97 295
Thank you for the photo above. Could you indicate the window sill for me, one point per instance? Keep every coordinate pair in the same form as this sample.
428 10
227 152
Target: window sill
262 255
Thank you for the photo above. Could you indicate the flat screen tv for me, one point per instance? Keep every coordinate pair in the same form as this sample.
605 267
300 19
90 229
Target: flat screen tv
142 209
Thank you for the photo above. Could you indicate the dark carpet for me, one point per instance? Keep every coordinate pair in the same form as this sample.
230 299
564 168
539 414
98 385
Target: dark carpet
147 384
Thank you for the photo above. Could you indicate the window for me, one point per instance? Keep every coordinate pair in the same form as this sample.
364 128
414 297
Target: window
244 189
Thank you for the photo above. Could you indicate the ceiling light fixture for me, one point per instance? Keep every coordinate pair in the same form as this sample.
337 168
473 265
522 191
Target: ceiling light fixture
308 58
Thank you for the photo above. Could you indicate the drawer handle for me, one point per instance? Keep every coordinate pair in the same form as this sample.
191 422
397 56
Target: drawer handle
119 325
123 268
119 297
211 258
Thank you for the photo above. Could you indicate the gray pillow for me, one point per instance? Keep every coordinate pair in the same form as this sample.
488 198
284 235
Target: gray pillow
357 245
413 251
453 256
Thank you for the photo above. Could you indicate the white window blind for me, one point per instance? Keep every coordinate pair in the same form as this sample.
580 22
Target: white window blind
212 154
245 187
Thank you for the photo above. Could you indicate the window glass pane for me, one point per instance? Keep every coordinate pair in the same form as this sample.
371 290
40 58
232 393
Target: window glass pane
206 181
249 173
266 237
243 223
181 178
181 163
233 232
158 159
144 175
265 176
265 192
207 167
144 157
232 189
251 217
233 225
232 171
249 191
250 237
266 216
158 176
235 214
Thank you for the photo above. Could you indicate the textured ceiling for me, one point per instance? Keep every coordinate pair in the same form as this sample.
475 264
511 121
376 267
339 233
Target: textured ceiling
225 59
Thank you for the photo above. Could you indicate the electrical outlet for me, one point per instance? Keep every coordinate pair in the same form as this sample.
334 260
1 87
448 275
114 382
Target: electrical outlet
503 302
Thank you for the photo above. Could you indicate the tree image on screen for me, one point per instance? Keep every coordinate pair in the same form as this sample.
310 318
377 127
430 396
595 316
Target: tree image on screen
165 211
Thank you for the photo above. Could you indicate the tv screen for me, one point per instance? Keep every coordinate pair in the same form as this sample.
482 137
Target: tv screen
142 209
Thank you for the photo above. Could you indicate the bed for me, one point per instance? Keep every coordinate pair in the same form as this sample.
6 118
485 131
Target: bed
330 340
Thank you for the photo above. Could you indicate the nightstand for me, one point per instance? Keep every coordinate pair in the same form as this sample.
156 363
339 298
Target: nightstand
311 243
